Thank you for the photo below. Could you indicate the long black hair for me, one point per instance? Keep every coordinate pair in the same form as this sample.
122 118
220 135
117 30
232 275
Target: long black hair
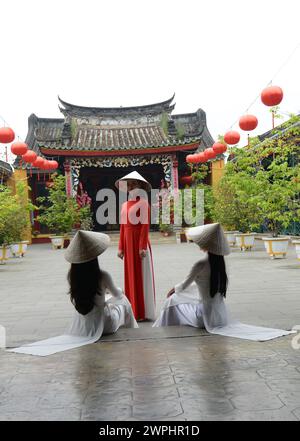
84 280
218 276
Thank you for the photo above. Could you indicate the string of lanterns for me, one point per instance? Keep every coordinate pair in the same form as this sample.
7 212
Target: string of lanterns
270 96
18 148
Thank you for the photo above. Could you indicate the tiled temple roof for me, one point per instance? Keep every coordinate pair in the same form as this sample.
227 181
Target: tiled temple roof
132 130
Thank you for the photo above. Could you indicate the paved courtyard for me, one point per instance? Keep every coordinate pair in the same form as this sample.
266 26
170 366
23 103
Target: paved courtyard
145 374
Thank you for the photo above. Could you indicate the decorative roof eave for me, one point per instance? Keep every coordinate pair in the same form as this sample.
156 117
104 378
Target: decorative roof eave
146 151
6 170
111 111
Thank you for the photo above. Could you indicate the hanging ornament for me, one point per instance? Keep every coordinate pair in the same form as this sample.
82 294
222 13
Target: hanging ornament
210 153
232 137
201 157
30 156
53 165
189 159
19 148
248 122
272 96
7 135
219 148
38 163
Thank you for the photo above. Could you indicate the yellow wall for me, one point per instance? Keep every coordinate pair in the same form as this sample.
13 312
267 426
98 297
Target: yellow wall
217 171
20 176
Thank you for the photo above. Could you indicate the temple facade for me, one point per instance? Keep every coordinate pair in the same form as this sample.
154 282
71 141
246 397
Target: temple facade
95 146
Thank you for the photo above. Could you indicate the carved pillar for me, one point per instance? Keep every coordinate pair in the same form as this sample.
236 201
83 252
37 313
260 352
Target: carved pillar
68 175
174 173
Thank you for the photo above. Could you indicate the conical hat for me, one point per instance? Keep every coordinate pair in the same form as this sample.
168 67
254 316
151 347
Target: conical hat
136 176
210 237
86 246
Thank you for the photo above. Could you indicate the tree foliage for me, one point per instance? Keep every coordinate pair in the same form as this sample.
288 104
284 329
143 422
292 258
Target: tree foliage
59 212
261 184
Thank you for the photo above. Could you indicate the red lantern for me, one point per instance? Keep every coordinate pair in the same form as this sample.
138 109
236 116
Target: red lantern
186 180
232 137
272 96
189 159
201 157
7 135
39 162
53 165
19 148
210 153
219 147
30 156
46 165
248 122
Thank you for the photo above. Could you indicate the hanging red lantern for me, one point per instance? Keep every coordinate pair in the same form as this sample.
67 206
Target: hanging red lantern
39 162
232 137
30 156
7 135
46 165
272 96
189 159
53 165
248 122
19 148
210 153
219 148
186 180
201 157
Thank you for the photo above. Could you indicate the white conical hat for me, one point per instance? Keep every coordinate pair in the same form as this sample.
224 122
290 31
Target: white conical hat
210 237
136 176
86 246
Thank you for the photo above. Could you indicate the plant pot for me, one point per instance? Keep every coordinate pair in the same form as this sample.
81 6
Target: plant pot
276 246
19 249
297 247
57 242
3 254
245 241
230 235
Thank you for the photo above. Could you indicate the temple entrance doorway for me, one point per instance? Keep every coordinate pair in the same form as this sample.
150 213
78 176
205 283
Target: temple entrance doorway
94 179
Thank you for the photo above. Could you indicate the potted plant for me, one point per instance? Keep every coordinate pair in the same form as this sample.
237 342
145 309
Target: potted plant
297 247
18 246
14 220
59 212
235 210
165 229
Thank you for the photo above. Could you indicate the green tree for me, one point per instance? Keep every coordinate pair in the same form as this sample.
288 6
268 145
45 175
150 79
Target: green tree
59 212
261 185
14 213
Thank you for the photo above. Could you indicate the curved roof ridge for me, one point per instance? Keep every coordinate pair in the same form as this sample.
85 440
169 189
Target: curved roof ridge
69 106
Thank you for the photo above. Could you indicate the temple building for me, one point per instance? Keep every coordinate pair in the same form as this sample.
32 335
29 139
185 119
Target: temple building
6 172
95 146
